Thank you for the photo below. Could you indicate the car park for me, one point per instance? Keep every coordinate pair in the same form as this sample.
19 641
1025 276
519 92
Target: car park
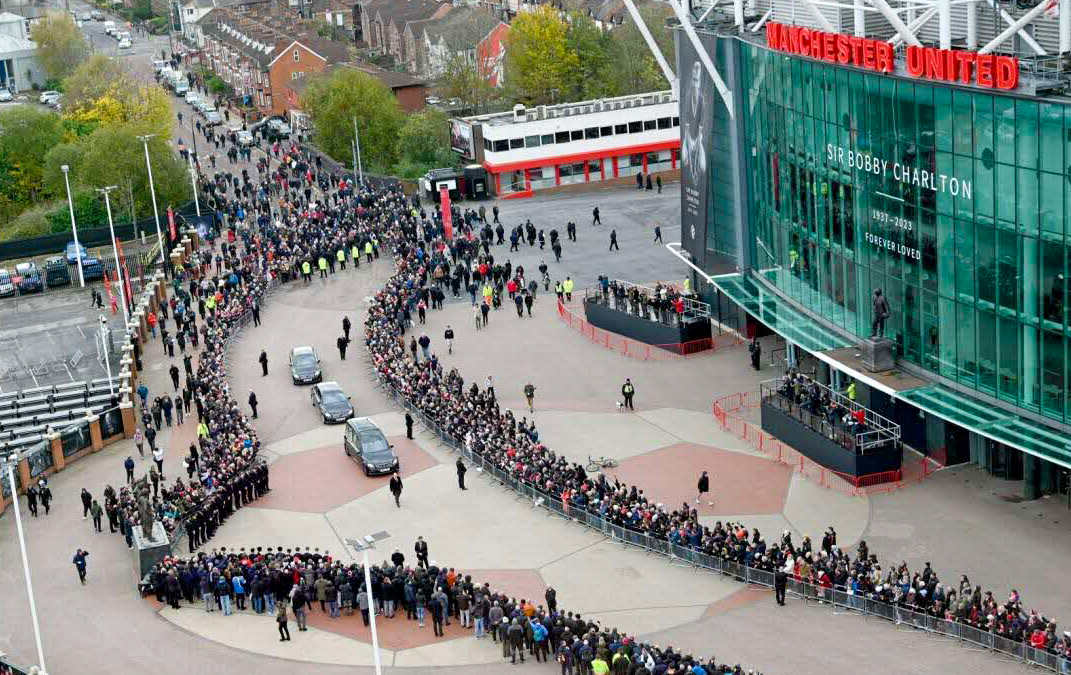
365 443
92 269
57 272
7 287
305 366
333 403
74 251
29 278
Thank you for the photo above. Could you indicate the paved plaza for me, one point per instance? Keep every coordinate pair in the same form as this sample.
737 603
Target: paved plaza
957 519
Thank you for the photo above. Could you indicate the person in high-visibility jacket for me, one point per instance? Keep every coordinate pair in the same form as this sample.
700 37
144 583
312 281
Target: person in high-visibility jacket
306 271
322 264
567 286
687 285
368 250
851 391
202 430
487 293
341 256
355 253
559 290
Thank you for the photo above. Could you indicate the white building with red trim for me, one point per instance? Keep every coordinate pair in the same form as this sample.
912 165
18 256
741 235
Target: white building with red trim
543 147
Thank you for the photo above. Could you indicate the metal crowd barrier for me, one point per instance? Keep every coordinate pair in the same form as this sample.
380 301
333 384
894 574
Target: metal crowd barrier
837 599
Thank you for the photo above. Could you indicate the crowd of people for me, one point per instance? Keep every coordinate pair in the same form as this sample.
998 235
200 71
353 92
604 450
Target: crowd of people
295 583
664 303
305 229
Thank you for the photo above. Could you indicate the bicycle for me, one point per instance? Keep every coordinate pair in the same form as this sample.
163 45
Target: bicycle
599 463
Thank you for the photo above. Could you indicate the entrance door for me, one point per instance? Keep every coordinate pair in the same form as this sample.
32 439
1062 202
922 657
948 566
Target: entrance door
957 444
1004 462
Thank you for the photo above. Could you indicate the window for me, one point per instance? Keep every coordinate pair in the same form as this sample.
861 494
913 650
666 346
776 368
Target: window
576 135
487 145
297 56
676 121
649 125
561 137
591 132
516 143
501 146
535 174
606 131
547 139
531 141
635 160
635 127
665 122
620 128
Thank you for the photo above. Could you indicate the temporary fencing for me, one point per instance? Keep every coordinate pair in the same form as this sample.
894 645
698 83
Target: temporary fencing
725 411
642 350
836 600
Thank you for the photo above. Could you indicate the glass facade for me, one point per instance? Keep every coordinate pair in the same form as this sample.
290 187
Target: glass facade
954 201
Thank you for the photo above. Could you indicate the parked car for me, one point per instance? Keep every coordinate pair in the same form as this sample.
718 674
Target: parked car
243 137
192 98
97 15
333 403
364 442
57 272
305 366
29 278
181 88
109 27
48 97
92 269
124 44
158 66
212 118
6 96
74 251
7 288
432 100
86 16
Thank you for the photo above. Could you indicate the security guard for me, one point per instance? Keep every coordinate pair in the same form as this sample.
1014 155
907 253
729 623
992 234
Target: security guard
567 286
368 250
322 264
306 271
341 256
355 253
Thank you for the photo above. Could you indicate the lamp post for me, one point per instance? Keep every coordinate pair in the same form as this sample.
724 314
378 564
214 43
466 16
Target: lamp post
364 546
9 462
152 191
104 344
357 147
193 181
74 227
115 249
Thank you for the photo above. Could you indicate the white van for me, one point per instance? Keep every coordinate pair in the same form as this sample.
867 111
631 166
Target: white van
109 27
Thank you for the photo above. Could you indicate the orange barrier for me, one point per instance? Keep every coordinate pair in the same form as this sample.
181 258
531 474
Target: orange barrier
724 411
642 350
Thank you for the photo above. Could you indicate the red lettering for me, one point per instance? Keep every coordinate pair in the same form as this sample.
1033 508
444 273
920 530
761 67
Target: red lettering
884 58
771 34
914 61
805 40
857 50
844 49
829 42
984 70
965 61
1007 72
868 54
794 39
935 65
950 64
816 45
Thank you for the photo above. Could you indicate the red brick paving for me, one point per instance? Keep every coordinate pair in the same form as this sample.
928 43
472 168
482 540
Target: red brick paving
743 598
323 479
740 483
400 633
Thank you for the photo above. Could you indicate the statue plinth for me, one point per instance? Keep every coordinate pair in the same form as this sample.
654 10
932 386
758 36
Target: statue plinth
148 552
878 354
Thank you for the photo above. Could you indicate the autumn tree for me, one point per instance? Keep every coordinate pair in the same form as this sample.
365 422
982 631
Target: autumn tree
334 100
590 77
60 44
103 91
632 67
27 133
539 58
424 144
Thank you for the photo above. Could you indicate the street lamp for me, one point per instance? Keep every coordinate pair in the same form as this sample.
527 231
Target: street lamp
74 228
193 180
357 148
104 344
152 191
115 249
9 462
364 546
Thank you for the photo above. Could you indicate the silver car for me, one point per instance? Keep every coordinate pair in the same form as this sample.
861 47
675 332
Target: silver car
7 288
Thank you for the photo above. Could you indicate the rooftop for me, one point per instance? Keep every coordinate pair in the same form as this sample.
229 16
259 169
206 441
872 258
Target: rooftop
577 108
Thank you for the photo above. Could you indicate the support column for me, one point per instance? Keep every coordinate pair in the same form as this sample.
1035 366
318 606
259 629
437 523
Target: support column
129 423
96 436
58 462
944 18
860 19
972 25
1065 26
1031 477
24 474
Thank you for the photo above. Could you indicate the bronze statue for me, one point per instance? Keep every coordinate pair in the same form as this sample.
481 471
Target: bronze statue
145 514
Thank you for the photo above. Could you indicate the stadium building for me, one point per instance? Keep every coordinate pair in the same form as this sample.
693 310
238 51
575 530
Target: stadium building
829 149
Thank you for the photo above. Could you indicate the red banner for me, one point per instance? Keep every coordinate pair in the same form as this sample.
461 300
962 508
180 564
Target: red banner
111 294
125 272
448 216
171 223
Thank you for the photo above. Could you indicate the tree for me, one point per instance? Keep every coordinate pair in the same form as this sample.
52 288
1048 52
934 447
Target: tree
591 77
26 135
465 79
539 59
333 102
101 92
60 44
424 144
632 65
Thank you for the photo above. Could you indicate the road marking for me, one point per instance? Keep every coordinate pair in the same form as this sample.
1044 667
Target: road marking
79 327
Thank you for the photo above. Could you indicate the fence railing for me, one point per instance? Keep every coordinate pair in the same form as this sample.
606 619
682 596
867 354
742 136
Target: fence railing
642 350
725 411
834 599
